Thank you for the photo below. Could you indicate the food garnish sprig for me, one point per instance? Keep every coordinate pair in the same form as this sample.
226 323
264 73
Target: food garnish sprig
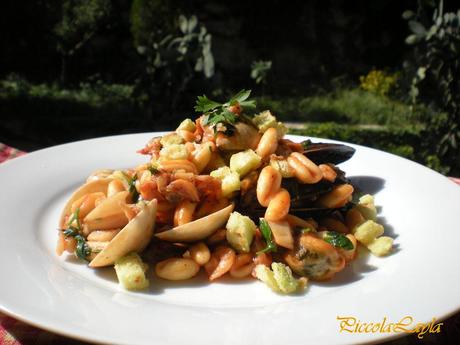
223 116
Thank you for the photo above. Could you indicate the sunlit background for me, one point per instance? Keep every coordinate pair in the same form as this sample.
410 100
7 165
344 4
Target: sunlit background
383 73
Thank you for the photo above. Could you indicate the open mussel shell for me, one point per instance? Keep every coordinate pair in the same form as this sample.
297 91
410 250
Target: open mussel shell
134 237
198 229
94 186
321 153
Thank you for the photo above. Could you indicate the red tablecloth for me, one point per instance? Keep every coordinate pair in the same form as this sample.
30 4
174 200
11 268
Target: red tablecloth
14 332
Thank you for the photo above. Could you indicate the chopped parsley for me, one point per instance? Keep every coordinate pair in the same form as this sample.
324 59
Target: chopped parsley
132 188
75 217
153 170
338 240
219 114
82 250
267 234
306 230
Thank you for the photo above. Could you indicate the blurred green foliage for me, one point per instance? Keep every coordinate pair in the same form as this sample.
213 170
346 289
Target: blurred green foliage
106 67
260 70
434 73
378 82
350 106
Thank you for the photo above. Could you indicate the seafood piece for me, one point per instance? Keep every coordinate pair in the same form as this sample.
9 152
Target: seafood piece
94 186
198 229
321 153
134 237
245 136
314 258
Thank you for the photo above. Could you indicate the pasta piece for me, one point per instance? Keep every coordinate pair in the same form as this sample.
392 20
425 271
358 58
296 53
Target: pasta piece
268 143
184 212
221 262
304 169
243 266
200 253
177 269
336 198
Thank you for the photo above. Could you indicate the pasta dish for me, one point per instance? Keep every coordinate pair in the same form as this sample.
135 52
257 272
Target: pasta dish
226 194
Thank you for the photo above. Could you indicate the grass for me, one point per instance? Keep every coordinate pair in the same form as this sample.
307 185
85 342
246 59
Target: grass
347 106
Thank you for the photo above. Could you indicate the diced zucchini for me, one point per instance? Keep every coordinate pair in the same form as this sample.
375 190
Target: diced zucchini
244 162
174 151
280 279
368 231
240 232
187 125
131 272
171 139
367 207
230 180
283 276
282 166
381 246
266 275
266 120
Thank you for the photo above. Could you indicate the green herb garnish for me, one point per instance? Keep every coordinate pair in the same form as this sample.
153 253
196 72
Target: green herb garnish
75 217
306 143
338 240
82 250
132 188
307 230
267 234
218 114
153 170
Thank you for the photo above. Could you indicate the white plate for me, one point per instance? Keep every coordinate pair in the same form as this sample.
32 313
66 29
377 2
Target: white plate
419 207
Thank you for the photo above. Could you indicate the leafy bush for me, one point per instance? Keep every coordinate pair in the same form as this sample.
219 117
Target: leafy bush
259 71
95 94
378 82
39 115
176 50
434 70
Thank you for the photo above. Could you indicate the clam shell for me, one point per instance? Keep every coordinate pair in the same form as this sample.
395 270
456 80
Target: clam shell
94 186
134 237
198 229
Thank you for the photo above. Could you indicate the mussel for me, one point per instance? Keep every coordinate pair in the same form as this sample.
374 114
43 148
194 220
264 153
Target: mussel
321 153
314 258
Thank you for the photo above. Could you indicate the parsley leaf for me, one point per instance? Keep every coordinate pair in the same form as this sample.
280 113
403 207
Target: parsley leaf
338 240
82 250
218 114
267 234
132 188
204 104
153 170
75 217
240 96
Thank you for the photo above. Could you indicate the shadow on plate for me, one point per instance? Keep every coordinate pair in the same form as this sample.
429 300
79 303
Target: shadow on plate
367 184
354 272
